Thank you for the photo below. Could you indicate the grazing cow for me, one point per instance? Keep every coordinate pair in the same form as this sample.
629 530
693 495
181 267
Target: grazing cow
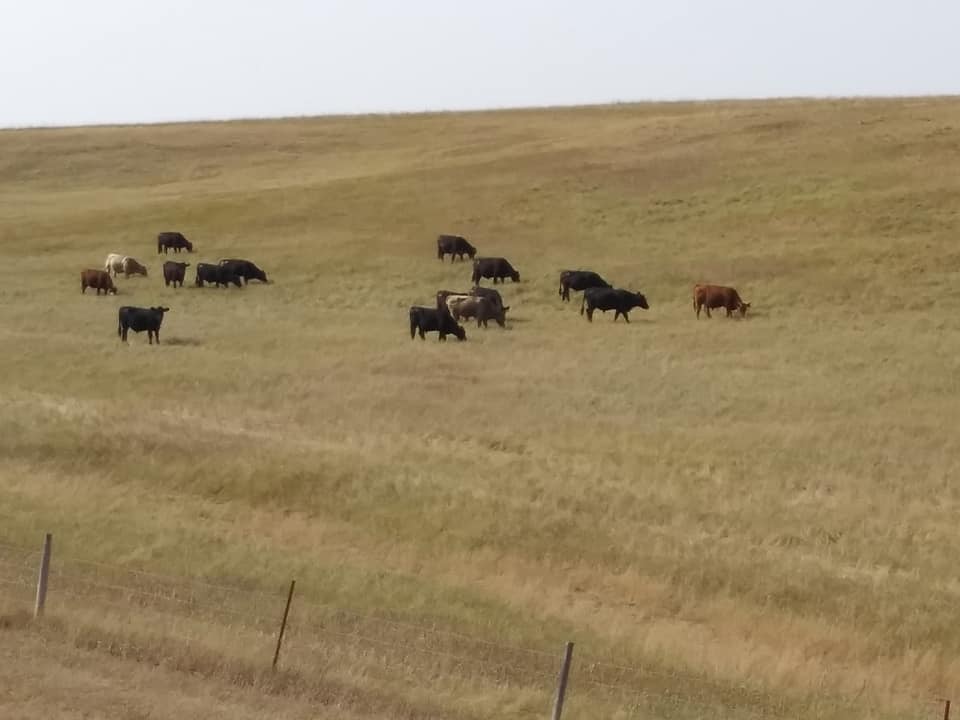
175 240
424 320
497 268
99 279
446 299
718 296
482 308
579 280
174 272
139 319
492 294
455 246
125 264
245 269
603 299
216 275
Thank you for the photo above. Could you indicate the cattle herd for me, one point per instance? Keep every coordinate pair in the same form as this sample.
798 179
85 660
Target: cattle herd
485 304
226 272
479 303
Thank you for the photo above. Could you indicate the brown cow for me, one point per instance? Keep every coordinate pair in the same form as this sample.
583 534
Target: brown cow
718 296
99 279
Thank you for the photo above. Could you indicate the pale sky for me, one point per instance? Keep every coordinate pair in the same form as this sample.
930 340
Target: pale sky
65 62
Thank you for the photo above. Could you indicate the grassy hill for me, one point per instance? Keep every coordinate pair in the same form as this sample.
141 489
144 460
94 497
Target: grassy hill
762 514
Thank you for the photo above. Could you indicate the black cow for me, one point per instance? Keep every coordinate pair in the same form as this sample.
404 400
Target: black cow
623 301
216 275
579 280
139 319
497 268
174 272
454 245
425 319
175 240
245 269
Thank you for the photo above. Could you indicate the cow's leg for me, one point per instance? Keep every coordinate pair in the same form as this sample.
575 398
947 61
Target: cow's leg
626 317
589 314
156 334
123 334
707 306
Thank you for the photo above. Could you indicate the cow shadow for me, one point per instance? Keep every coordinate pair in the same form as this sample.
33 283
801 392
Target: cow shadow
182 342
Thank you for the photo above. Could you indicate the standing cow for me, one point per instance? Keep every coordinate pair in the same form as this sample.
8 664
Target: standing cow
454 245
99 279
718 296
497 268
139 319
174 272
175 240
125 264
579 280
481 308
603 299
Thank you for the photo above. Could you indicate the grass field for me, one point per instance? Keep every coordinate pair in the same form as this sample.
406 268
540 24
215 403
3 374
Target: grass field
768 505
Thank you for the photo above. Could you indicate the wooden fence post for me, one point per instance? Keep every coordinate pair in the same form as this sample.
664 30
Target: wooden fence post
44 574
562 682
946 708
283 624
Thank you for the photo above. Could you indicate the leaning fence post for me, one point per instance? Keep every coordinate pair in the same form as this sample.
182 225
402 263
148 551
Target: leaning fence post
44 573
562 682
283 624
946 708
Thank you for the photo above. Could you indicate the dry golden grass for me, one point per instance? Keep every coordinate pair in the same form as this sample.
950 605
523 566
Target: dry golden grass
760 512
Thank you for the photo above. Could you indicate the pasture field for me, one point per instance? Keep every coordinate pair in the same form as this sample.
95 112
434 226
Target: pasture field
761 513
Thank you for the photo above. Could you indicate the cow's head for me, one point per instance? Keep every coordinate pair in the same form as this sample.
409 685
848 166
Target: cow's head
459 332
188 245
743 308
515 276
112 289
185 265
471 251
260 275
161 310
641 301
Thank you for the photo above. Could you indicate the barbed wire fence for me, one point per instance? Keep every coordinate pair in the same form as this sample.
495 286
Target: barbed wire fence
315 638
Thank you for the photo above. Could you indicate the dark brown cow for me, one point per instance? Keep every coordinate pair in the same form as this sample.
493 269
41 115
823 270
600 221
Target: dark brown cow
99 279
455 246
175 240
174 272
497 268
718 296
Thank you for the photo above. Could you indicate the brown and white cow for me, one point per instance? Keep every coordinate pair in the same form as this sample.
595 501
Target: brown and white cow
712 297
99 279
481 308
125 264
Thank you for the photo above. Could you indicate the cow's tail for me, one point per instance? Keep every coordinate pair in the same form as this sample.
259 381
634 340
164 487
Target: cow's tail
413 324
119 327
159 246
583 301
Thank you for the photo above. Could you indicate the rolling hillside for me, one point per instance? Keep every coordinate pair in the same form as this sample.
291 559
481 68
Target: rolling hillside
761 513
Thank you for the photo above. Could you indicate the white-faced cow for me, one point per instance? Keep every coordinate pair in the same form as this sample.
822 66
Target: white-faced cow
712 297
174 240
579 280
603 299
99 279
425 319
139 319
455 246
497 268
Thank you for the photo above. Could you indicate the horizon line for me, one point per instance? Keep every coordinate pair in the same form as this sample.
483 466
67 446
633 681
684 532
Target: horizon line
477 110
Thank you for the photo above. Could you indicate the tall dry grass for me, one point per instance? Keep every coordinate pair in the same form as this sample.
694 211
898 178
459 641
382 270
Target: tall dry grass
766 505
